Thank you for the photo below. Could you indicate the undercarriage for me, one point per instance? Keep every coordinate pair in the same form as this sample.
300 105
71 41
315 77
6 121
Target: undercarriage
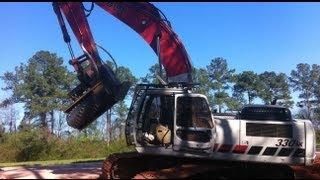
133 165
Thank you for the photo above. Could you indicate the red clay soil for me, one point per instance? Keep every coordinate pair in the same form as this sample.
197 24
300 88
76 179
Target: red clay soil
93 170
312 172
300 172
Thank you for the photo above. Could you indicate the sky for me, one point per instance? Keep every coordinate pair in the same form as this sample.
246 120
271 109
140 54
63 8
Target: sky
251 36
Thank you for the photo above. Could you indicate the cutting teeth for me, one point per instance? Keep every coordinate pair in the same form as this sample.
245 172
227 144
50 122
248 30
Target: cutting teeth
88 110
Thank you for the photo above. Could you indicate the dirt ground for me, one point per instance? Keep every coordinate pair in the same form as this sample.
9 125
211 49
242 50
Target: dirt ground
312 172
71 171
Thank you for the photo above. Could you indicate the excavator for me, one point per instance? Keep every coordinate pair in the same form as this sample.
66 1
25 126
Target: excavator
173 130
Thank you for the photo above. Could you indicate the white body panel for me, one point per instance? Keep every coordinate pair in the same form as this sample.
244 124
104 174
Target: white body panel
264 141
233 131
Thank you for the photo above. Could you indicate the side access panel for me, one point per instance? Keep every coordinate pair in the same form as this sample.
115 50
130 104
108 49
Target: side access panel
263 141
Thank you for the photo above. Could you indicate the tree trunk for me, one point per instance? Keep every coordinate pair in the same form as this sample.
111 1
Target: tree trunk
109 128
308 109
43 120
10 118
249 98
10 123
308 104
52 121
219 108
121 130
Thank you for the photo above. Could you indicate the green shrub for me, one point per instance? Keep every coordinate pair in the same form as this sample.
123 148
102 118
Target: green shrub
35 145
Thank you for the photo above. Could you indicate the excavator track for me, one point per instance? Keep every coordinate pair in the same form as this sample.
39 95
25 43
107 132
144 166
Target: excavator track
141 166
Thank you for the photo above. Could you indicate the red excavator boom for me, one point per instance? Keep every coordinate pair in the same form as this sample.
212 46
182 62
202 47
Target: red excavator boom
99 87
146 20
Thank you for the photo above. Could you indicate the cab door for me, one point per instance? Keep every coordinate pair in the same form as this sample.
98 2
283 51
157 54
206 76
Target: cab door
132 124
193 123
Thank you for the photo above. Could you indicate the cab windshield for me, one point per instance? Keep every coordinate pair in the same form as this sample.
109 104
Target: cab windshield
193 112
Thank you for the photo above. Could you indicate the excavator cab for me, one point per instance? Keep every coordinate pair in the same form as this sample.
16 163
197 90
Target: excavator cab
169 119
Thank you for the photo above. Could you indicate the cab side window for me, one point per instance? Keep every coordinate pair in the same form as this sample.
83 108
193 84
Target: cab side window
158 109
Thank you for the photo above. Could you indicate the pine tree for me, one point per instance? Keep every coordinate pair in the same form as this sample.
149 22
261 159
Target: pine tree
42 85
220 78
275 86
247 83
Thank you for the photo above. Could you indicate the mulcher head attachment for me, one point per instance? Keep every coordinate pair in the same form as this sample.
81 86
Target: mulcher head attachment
91 106
94 96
